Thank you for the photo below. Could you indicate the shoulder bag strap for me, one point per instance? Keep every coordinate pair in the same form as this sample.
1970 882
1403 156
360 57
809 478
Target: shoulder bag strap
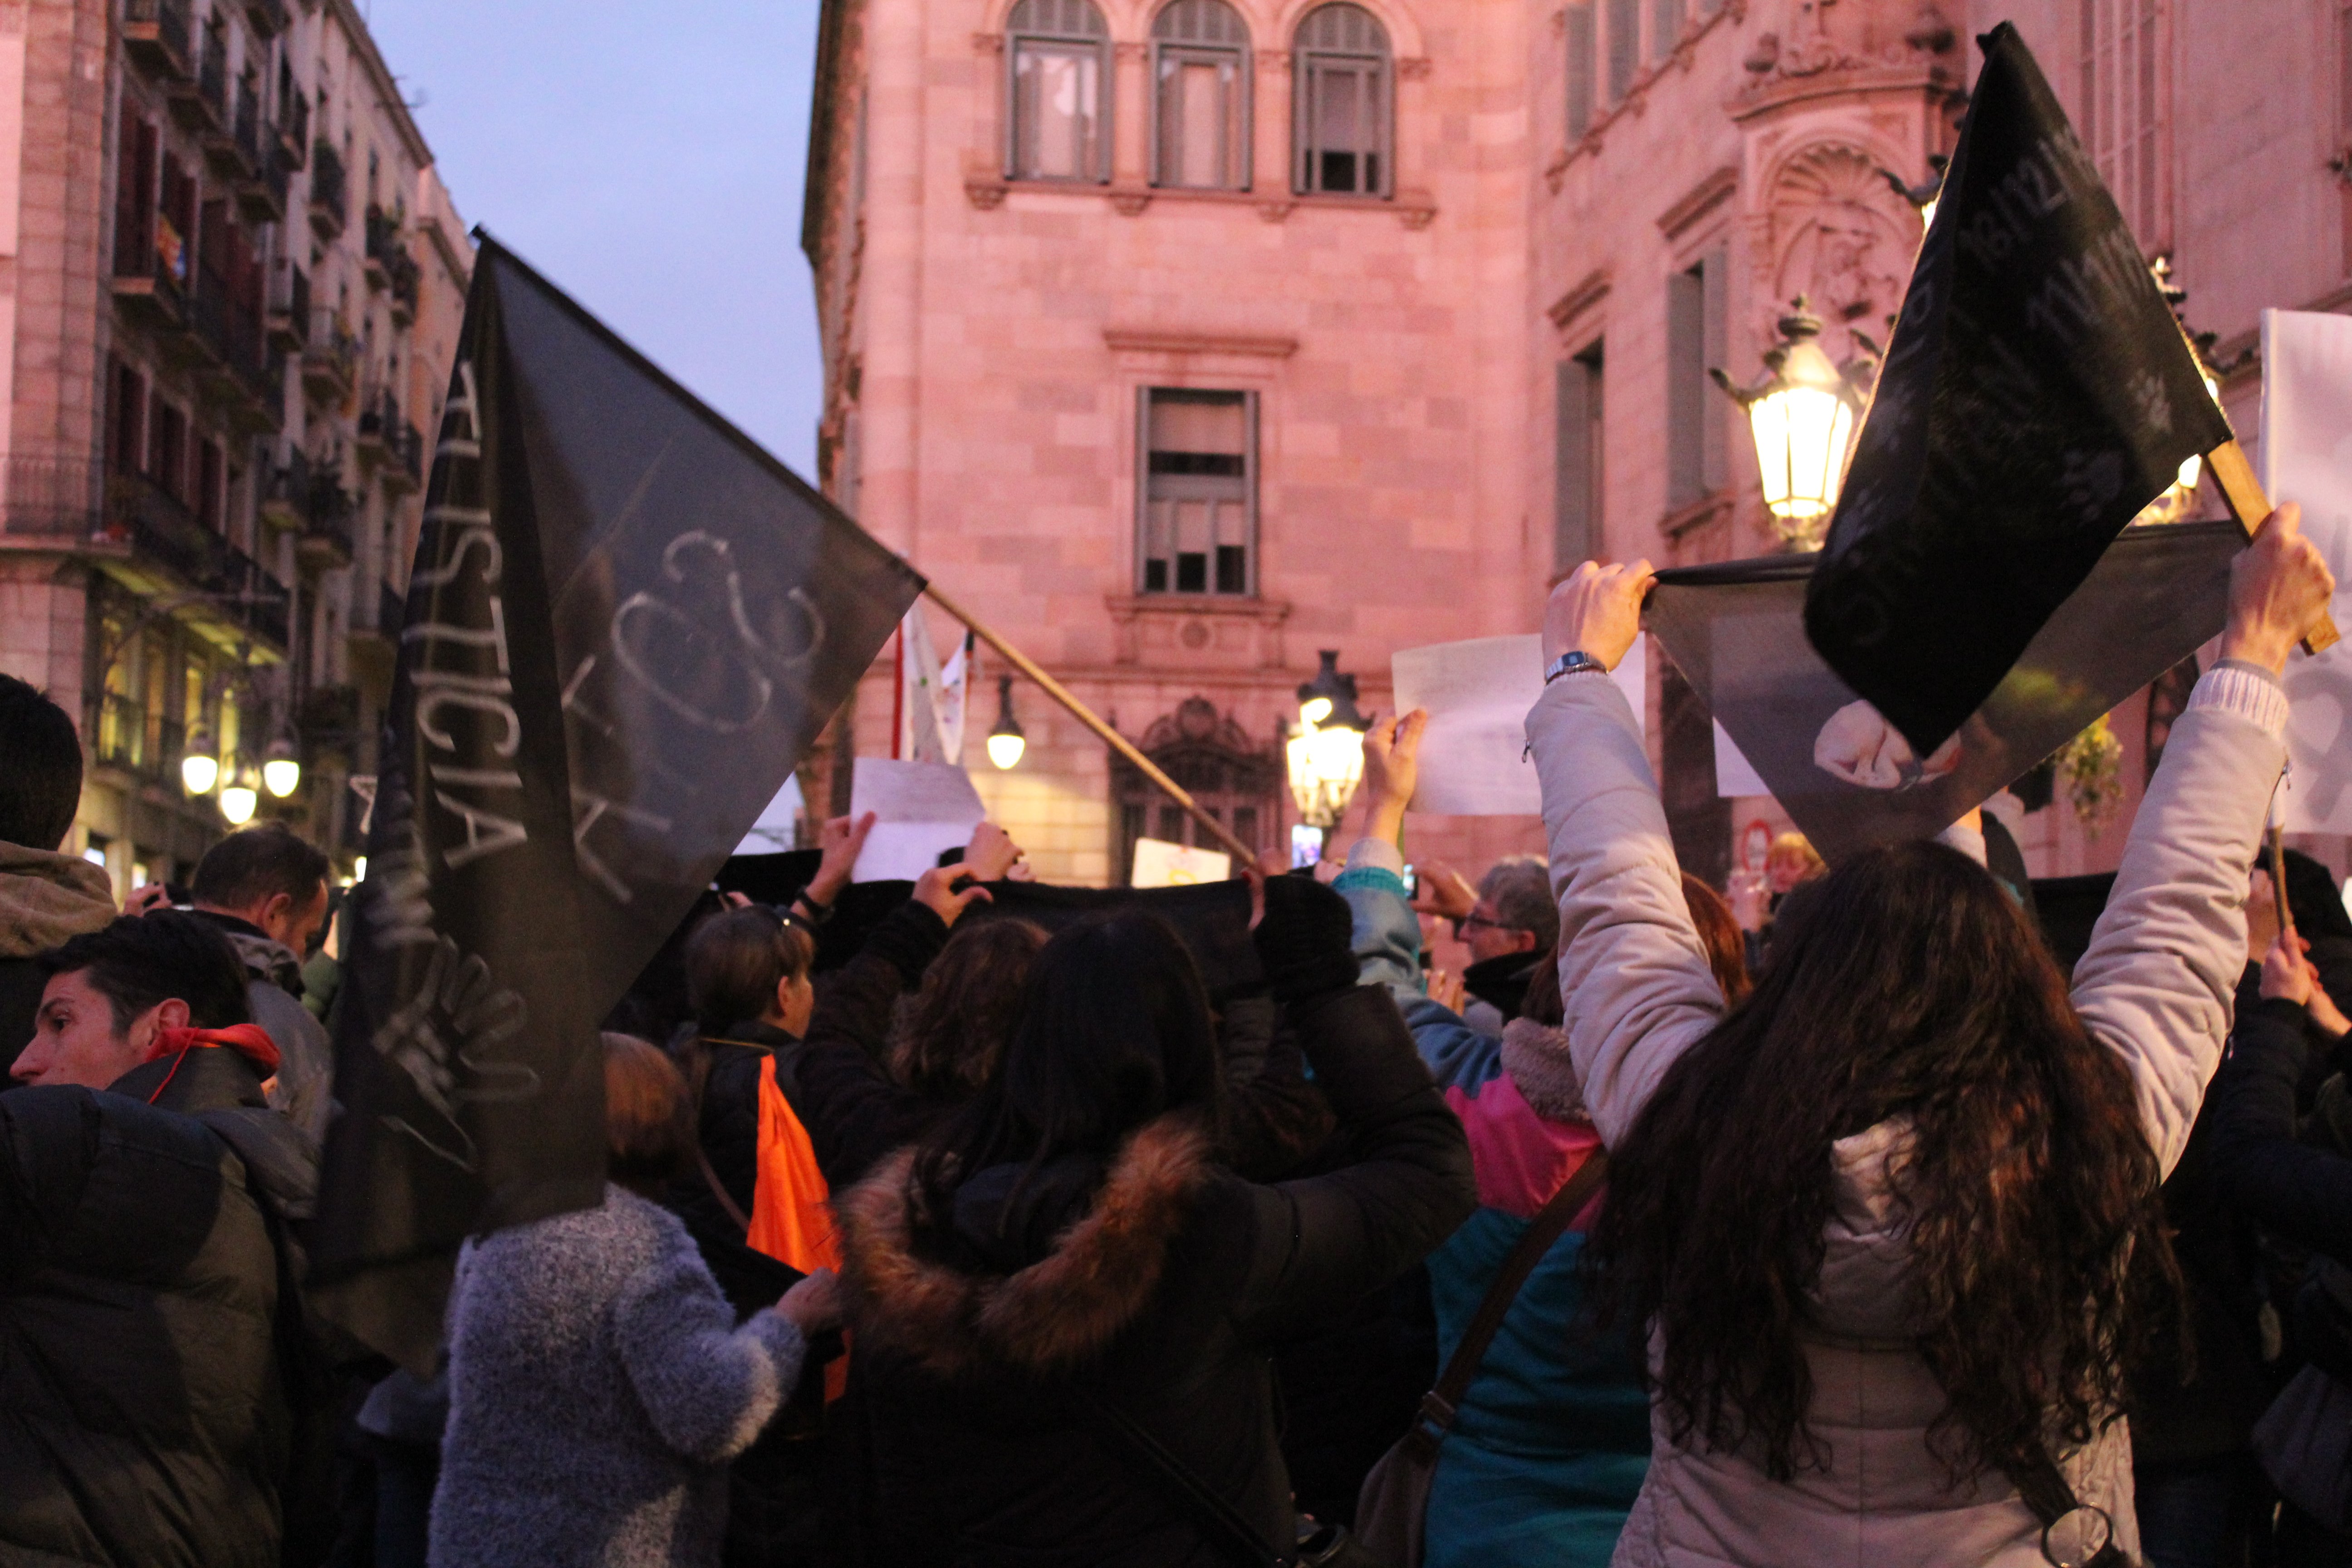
733 1210
2044 1488
1439 1406
1217 1519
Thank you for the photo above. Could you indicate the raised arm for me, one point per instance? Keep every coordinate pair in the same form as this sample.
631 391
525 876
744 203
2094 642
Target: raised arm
2158 979
1633 976
1332 1237
1387 931
2302 1193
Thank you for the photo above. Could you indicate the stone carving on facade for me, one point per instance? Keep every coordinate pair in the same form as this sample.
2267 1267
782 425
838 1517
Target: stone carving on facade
1840 237
1811 47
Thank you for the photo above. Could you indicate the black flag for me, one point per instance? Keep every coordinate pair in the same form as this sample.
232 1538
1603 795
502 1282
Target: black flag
1841 771
2036 395
626 624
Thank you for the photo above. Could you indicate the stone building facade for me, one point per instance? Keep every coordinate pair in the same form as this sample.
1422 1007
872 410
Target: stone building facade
235 283
1184 338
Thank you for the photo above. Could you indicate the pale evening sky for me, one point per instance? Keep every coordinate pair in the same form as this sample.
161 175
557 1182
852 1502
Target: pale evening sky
647 158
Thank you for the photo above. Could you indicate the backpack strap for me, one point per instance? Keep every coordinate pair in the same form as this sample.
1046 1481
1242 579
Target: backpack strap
1218 1520
1443 1403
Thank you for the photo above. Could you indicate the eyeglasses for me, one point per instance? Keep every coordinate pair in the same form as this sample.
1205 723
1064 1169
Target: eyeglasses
1462 927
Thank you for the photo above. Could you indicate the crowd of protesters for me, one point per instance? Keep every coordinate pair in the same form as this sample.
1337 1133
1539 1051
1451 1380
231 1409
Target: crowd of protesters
1867 1234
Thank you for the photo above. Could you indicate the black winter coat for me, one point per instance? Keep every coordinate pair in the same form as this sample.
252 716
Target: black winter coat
143 1411
2303 1193
1156 1284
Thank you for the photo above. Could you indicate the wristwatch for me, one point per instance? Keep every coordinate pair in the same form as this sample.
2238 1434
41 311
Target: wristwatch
1573 660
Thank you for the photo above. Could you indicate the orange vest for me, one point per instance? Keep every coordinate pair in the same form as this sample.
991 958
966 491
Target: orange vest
791 1214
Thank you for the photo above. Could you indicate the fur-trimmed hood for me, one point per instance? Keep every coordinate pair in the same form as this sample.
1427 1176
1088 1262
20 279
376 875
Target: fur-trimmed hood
1538 1060
1098 1276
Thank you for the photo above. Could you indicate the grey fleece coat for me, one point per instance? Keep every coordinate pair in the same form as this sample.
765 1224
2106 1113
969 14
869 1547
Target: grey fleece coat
597 1388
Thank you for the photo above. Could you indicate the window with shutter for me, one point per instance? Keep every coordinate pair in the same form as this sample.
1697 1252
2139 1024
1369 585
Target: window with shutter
1576 502
1665 27
1344 115
1200 97
1696 462
1624 45
1057 79
1581 65
2121 115
1199 527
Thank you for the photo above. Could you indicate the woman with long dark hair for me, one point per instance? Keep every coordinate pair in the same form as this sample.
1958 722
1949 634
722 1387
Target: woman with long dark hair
1889 1222
1062 1281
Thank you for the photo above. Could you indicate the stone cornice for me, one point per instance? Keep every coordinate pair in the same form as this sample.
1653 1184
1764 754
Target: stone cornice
1582 296
1179 340
1698 201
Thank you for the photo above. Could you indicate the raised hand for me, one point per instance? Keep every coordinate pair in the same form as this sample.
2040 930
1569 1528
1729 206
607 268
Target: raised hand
936 889
842 840
1391 773
1596 610
990 854
2279 590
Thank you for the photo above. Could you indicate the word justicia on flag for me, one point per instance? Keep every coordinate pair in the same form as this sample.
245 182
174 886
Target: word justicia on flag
625 625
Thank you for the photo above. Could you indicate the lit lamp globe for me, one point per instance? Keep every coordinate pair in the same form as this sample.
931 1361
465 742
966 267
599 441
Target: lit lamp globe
199 768
281 772
1325 754
1006 742
237 801
1802 414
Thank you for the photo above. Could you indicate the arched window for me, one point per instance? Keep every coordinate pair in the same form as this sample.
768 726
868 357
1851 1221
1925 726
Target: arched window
1200 96
1057 77
1343 107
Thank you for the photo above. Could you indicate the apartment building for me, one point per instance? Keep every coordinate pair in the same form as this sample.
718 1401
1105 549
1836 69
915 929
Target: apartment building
225 233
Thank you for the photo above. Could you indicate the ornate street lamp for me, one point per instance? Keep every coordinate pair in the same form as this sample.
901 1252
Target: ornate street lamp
282 771
1803 412
1007 740
1325 751
2180 498
200 767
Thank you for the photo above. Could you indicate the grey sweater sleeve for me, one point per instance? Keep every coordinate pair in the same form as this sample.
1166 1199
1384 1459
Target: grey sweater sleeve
707 1386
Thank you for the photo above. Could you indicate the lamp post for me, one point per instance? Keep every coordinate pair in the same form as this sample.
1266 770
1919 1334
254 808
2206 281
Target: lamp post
1325 754
1803 412
1007 740
2180 498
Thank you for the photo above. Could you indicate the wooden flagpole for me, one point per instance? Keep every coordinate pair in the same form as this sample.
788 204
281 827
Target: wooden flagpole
2243 491
1054 689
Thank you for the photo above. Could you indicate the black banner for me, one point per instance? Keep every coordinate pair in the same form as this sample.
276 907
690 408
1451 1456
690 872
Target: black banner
1848 778
2037 395
626 624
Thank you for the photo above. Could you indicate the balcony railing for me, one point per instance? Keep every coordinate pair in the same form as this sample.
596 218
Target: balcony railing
286 498
331 360
263 194
330 202
212 81
382 243
155 34
290 306
406 276
163 532
269 17
50 497
332 513
294 129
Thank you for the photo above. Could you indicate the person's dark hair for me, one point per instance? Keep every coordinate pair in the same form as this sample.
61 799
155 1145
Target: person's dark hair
41 786
1114 1030
735 961
1908 986
648 1133
1519 887
1720 934
257 863
1543 1003
2314 899
136 962
948 1038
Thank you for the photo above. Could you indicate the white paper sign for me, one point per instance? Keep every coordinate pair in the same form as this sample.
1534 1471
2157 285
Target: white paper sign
1473 756
1733 774
1160 864
2307 459
921 810
772 833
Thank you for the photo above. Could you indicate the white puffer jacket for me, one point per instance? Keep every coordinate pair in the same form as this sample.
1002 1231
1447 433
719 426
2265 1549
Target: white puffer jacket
2156 987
